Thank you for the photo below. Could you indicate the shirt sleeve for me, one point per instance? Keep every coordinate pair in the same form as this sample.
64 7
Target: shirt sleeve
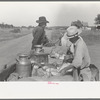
78 55
37 35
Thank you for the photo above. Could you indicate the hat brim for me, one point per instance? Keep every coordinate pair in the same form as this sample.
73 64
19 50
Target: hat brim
42 21
77 34
71 36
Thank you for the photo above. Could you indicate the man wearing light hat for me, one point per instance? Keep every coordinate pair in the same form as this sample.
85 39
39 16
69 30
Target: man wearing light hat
78 48
39 36
64 40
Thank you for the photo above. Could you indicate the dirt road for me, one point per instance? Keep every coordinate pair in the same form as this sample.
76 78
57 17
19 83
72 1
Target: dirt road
9 49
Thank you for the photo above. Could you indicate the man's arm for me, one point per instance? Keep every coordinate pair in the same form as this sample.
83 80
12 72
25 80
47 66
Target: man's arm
64 70
77 61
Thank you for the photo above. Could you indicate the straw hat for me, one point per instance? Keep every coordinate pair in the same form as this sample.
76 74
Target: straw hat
73 31
42 19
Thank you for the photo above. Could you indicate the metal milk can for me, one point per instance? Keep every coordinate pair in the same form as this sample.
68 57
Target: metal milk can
38 48
23 66
38 55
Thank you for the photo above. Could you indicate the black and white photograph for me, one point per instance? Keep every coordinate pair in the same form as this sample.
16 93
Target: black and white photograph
49 41
49 49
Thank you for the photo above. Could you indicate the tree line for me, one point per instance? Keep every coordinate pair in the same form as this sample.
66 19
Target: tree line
2 25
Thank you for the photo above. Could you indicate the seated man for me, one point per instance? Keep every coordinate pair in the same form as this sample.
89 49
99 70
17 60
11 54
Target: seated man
81 58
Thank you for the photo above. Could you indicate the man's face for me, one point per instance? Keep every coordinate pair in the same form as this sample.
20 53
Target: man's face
44 25
71 39
74 39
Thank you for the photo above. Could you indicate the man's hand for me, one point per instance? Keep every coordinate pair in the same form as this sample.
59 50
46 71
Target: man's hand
64 70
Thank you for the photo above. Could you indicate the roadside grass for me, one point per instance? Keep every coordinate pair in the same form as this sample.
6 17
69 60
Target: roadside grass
91 37
8 34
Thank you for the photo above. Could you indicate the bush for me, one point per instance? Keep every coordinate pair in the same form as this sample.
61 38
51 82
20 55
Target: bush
16 30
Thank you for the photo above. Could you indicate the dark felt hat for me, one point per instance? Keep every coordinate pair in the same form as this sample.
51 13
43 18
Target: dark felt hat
42 19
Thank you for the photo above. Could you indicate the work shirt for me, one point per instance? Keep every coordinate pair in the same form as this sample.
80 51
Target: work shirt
38 35
81 54
79 50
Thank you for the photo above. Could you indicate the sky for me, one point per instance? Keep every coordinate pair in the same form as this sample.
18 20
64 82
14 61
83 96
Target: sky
57 13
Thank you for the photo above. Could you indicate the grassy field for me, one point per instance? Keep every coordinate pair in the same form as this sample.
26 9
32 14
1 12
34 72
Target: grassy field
90 37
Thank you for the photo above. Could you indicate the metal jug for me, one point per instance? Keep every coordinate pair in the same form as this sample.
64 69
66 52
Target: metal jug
23 66
38 48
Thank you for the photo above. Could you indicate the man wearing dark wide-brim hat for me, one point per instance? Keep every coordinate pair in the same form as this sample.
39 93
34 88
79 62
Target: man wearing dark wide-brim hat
39 36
